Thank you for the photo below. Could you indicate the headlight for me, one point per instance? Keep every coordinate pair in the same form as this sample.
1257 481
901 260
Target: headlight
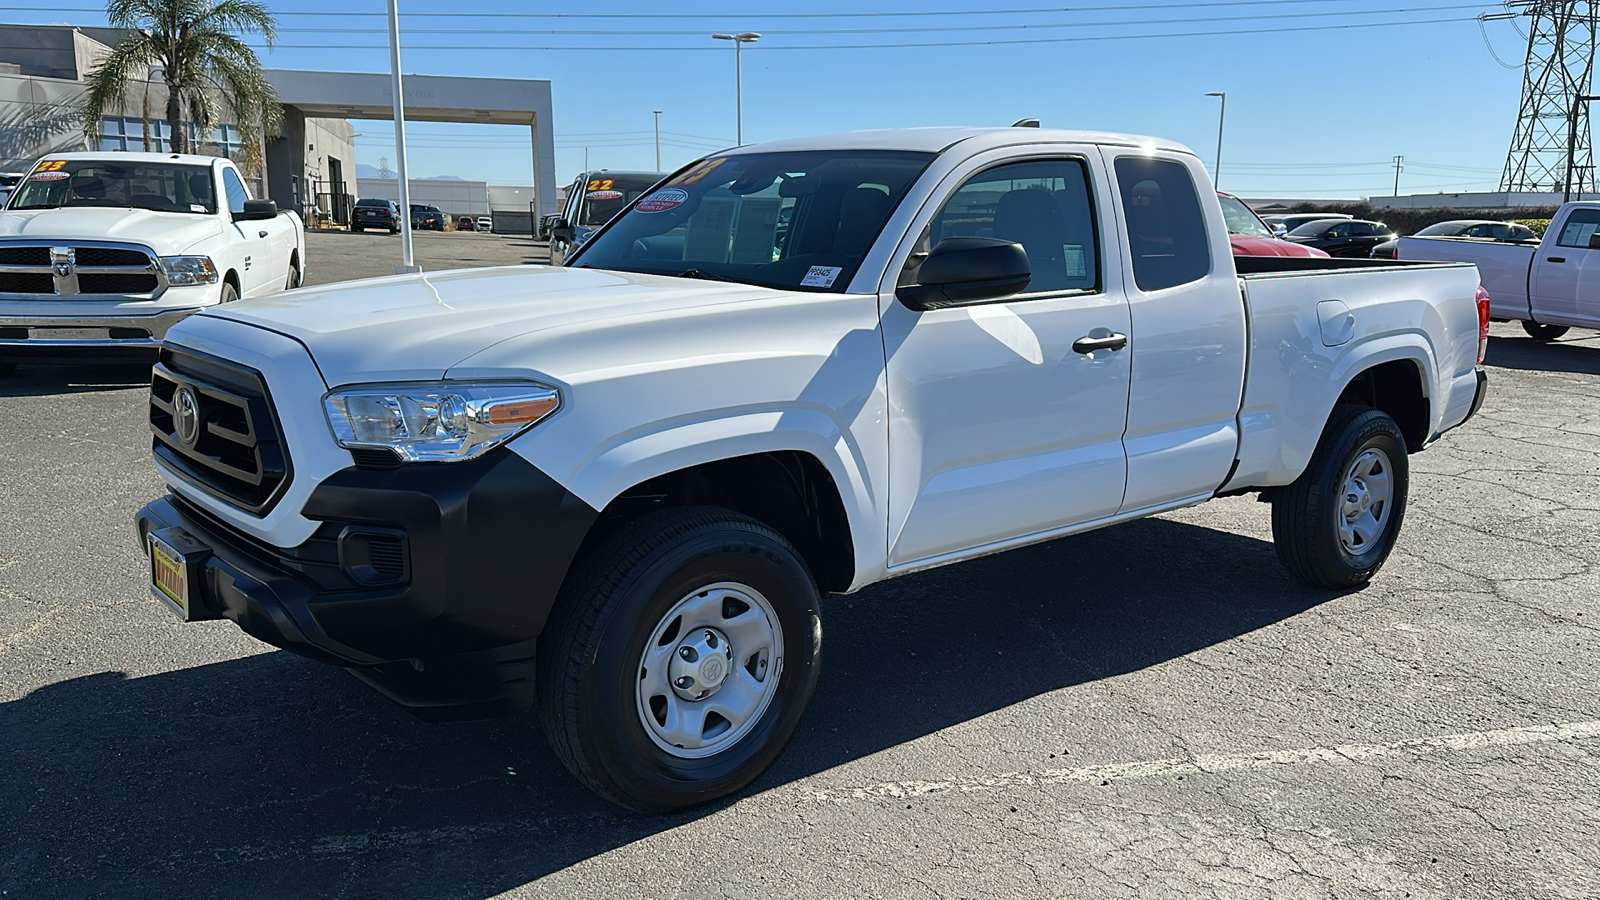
185 270
437 421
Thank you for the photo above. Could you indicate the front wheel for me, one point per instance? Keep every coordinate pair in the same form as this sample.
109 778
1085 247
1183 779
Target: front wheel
1335 525
679 659
1541 332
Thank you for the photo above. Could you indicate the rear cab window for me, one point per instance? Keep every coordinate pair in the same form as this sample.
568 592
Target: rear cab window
1167 232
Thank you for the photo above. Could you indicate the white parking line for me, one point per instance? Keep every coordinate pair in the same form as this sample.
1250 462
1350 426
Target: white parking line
1211 763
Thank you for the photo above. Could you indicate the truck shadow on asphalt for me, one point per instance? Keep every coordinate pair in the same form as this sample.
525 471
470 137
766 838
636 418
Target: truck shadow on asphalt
270 775
1577 353
40 379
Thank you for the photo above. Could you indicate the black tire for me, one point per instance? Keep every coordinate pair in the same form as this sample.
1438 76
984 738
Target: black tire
613 601
1543 332
394 230
356 229
294 276
1306 515
229 292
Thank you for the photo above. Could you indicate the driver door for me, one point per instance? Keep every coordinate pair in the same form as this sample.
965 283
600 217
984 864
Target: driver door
998 428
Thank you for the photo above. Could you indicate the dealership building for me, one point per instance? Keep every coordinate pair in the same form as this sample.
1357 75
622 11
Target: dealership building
309 166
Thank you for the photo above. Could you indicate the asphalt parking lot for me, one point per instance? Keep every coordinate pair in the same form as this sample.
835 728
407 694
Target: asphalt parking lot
1152 710
344 256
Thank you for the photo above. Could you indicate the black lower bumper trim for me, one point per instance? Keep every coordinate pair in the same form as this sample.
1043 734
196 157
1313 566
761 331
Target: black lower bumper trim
1482 392
487 544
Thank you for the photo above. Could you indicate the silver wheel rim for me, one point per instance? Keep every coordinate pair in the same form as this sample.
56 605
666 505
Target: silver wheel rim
1365 501
710 670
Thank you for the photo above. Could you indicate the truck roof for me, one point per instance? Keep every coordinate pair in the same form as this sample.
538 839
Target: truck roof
191 159
936 139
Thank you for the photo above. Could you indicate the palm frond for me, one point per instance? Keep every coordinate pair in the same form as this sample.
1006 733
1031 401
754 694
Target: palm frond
108 81
246 16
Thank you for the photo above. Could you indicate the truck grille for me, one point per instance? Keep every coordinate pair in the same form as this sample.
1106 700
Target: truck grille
215 427
71 270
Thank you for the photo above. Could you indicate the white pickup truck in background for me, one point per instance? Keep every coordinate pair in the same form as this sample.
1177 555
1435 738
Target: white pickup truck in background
1548 288
619 488
100 253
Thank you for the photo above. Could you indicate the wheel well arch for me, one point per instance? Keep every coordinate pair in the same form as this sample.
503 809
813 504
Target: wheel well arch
1396 387
232 277
790 491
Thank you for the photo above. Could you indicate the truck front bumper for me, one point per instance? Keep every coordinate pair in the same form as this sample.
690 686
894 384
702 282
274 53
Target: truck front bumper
86 336
430 582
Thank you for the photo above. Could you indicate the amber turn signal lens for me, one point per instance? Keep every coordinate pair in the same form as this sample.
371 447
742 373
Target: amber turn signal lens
514 412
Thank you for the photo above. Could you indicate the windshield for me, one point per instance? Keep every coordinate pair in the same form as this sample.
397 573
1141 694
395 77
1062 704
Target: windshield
1240 219
1315 227
606 195
161 186
800 220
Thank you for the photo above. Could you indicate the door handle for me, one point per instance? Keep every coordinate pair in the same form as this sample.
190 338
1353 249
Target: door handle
261 234
1087 344
1555 259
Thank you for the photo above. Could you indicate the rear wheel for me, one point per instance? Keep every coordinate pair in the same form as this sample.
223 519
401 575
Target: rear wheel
681 654
1335 525
356 229
1540 332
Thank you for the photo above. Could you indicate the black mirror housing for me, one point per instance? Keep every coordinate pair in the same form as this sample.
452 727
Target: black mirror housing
1594 241
962 271
257 209
561 229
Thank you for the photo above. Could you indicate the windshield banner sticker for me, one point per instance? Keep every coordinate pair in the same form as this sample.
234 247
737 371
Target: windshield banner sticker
49 176
821 276
662 200
604 195
697 172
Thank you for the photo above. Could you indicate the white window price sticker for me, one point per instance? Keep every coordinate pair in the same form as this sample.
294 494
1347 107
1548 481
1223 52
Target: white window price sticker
821 276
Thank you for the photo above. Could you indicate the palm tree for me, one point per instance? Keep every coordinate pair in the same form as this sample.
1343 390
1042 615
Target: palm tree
209 72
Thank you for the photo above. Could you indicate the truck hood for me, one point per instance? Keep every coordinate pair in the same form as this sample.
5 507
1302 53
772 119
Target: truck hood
164 232
415 327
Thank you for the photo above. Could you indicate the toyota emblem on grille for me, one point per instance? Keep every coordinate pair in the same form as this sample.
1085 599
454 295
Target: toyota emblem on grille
186 415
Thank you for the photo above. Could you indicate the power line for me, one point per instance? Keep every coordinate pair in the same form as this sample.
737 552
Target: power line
921 45
1034 26
1209 4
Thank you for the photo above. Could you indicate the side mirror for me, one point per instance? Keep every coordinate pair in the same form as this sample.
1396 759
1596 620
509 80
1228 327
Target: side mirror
965 270
561 230
1594 241
257 209
1280 230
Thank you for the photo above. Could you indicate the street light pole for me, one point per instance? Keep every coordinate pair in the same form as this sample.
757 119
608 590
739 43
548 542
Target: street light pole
740 39
407 263
1572 140
658 138
1222 117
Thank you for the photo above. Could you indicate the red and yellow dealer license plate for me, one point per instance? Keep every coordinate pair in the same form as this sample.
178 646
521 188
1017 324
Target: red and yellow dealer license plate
169 576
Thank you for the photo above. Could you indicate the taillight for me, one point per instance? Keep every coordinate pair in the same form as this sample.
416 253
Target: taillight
1483 322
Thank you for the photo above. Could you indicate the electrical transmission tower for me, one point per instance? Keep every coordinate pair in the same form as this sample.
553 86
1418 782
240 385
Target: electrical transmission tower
1550 149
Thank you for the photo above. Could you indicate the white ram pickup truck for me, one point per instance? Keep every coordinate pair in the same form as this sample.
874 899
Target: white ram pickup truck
100 253
1549 288
617 489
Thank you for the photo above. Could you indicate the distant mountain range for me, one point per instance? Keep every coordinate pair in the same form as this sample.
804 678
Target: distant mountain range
365 171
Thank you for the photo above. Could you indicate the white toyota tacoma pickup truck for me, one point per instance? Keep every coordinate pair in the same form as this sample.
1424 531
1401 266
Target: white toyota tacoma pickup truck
100 253
1549 288
618 489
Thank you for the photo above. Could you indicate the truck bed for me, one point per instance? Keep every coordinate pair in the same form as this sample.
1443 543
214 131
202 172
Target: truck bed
1312 320
1503 268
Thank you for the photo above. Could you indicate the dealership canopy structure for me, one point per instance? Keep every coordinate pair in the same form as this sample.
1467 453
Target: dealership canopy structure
428 98
309 167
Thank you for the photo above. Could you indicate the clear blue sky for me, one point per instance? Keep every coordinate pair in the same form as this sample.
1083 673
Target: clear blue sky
1310 112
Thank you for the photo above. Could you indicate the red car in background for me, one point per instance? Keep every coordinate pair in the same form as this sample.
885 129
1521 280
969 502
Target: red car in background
1251 237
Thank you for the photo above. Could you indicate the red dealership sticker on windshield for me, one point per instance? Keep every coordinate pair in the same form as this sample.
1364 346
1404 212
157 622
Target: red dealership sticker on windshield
662 200
604 195
49 176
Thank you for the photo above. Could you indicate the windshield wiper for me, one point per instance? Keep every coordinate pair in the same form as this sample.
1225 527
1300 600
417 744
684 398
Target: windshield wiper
706 276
